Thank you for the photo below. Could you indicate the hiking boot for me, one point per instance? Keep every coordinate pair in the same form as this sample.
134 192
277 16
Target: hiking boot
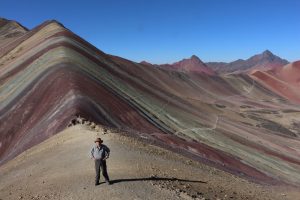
97 183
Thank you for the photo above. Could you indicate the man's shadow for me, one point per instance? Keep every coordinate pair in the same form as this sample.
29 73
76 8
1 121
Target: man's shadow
153 179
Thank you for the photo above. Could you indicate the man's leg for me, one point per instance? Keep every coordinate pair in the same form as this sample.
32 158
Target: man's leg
104 171
97 169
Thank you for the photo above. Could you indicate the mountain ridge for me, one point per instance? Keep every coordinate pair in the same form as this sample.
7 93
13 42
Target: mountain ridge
50 76
263 61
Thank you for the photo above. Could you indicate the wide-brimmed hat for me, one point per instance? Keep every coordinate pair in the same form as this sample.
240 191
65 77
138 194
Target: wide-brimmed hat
99 140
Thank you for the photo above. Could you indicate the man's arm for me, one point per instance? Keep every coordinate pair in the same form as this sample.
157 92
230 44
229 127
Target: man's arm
92 153
107 152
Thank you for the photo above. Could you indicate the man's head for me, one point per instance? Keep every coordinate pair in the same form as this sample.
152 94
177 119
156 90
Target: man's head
98 141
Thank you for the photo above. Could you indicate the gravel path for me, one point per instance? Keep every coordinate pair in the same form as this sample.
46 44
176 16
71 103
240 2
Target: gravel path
60 168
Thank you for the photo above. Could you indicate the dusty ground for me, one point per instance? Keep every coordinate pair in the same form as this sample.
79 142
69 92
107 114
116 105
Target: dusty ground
60 168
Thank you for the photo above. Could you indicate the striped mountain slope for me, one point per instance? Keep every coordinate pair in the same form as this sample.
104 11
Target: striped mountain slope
49 76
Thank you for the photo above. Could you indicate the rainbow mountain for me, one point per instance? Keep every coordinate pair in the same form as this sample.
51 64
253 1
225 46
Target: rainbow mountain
237 122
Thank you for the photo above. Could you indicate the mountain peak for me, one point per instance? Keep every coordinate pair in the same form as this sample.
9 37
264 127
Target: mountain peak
265 61
11 28
194 57
192 60
267 53
54 21
2 21
192 64
145 63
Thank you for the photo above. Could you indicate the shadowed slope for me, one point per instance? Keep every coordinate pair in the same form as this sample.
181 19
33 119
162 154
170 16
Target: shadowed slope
231 121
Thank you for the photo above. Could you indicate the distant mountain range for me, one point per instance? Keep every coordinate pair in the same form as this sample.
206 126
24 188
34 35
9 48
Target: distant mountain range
192 64
264 61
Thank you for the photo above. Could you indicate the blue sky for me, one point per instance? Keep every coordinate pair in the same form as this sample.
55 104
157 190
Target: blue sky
164 31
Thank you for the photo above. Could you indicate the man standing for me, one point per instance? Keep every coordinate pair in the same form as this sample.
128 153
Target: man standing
100 153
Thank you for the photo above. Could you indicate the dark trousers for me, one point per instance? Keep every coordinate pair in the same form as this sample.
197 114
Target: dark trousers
101 165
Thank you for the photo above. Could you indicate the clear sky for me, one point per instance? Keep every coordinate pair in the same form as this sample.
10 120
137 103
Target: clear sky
163 31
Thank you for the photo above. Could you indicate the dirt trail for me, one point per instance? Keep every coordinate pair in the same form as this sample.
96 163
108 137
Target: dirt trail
60 168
